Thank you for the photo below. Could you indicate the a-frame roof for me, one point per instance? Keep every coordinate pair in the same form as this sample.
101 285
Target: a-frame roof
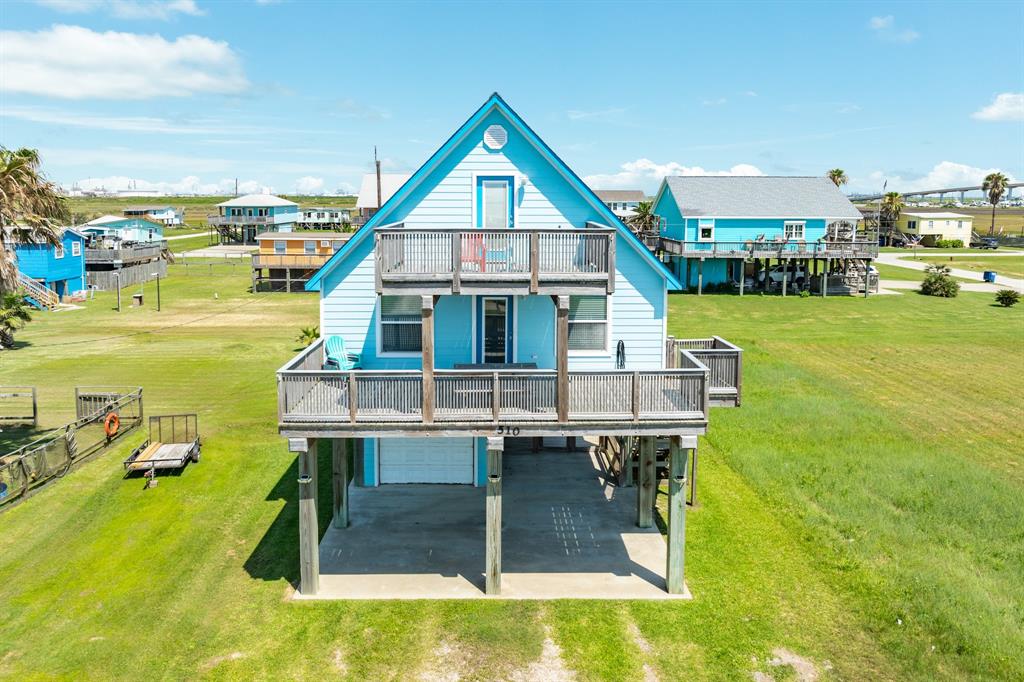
493 102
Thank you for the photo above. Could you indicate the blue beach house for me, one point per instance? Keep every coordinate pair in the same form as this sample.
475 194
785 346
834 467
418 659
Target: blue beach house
241 219
493 298
58 269
721 229
129 229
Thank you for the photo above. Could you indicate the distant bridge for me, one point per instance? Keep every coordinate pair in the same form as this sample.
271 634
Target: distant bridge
941 192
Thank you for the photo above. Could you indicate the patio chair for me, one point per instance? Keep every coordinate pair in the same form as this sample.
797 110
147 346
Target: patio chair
338 357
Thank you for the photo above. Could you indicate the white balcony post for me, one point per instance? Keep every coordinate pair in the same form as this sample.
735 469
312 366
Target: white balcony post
492 577
427 310
562 357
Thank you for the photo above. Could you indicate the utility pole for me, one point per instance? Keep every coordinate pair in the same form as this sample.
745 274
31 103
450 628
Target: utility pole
376 162
236 187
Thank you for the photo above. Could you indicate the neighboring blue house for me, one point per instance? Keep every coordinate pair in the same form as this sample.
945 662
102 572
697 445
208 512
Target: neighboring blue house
242 218
161 213
59 269
494 294
713 228
125 229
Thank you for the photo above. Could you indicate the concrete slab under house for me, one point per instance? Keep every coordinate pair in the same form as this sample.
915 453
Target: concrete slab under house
493 303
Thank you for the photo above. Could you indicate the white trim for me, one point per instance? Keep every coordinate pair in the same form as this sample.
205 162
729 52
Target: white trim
770 217
793 223
707 239
58 252
593 352
76 248
381 353
514 179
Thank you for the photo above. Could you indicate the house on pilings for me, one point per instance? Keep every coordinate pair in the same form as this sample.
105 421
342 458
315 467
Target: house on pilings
492 308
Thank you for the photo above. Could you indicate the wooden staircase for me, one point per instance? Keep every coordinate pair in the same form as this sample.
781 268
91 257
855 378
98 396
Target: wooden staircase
36 294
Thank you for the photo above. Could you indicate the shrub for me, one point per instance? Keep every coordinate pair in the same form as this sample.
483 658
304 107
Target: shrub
1007 297
805 293
950 244
938 282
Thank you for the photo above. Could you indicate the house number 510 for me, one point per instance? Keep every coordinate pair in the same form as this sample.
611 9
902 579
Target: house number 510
508 430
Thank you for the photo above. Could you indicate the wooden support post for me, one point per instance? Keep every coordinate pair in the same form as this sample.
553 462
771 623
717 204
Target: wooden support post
537 443
700 277
627 480
492 577
562 357
743 275
534 262
288 280
611 263
456 262
647 486
686 284
309 536
867 277
785 277
693 475
824 279
427 314
570 443
674 570
339 454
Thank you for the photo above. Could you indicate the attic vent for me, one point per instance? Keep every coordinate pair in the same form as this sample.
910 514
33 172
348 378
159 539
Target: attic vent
495 137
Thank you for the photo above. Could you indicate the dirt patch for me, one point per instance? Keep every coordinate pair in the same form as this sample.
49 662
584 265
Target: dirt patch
549 667
645 648
217 660
447 662
804 669
338 661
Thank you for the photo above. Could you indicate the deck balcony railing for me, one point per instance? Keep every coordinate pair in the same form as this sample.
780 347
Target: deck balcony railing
554 261
126 254
723 360
276 260
241 219
768 249
480 400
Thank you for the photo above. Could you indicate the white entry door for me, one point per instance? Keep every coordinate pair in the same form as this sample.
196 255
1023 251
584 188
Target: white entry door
426 460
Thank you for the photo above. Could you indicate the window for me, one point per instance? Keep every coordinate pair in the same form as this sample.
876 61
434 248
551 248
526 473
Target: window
495 204
58 252
793 230
280 246
931 223
706 229
337 245
588 323
310 246
326 243
76 248
401 324
959 224
911 224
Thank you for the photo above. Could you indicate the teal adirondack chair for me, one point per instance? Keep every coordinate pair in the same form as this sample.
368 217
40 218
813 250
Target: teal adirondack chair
338 357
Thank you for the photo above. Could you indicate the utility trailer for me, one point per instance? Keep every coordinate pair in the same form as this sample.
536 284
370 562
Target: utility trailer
173 441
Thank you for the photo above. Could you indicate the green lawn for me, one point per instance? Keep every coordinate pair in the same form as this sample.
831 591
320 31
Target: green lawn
861 510
1010 266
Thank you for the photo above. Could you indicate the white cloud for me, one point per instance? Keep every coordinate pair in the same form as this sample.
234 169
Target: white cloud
646 174
1007 106
309 185
190 184
127 9
885 28
944 174
73 62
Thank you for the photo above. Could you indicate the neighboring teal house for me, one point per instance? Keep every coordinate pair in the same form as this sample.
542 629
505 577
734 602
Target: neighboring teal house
494 297
239 220
718 229
124 228
59 269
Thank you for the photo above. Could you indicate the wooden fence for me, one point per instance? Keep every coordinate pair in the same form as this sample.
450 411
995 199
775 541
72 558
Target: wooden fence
723 360
19 404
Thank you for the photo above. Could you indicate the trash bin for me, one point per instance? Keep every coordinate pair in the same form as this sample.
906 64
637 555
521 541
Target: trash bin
989 276
137 299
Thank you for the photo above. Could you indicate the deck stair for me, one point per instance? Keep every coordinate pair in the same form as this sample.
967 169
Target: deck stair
36 294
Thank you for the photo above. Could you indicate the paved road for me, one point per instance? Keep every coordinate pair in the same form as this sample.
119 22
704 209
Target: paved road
1002 282
188 236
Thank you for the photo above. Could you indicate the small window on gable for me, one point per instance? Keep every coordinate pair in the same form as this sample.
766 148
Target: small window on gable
793 230
588 323
76 248
706 229
401 324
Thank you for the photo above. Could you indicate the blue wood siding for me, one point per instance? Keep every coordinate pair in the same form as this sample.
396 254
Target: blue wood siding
63 275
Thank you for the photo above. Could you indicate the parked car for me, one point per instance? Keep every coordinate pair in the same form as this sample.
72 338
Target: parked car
797 275
988 243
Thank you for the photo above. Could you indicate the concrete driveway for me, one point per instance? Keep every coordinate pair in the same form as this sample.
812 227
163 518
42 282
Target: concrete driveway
567 533
1002 282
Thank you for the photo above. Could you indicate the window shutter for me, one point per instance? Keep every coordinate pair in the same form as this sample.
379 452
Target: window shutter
588 308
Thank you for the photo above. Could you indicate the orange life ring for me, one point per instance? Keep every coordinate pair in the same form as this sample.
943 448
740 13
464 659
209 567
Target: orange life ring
111 424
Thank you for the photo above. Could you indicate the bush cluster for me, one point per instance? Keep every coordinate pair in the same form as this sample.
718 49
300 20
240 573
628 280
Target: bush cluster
950 244
1007 297
938 282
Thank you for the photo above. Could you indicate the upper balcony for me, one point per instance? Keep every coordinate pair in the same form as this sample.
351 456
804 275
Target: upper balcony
217 219
125 254
288 260
513 261
779 248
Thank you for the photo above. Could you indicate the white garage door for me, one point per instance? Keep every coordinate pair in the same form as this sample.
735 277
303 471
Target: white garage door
426 460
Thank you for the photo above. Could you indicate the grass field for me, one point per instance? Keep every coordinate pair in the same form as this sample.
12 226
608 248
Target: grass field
861 510
196 208
1010 266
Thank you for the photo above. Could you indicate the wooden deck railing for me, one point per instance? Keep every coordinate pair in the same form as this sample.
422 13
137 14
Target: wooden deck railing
723 360
529 258
243 219
769 249
464 399
125 254
276 260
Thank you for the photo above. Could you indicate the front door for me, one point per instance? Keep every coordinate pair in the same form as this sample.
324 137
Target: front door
495 336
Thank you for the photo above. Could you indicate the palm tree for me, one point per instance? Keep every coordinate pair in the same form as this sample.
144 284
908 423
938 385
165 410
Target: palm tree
996 185
643 219
307 335
892 207
14 313
837 176
31 208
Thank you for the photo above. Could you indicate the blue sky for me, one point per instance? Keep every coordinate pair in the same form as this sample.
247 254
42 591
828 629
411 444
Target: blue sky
189 94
